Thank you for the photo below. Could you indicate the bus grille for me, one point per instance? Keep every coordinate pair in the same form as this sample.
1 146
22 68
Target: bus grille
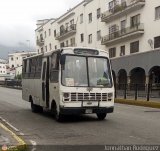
89 96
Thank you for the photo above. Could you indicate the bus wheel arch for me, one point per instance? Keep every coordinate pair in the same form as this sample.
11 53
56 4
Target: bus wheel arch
55 111
53 107
35 108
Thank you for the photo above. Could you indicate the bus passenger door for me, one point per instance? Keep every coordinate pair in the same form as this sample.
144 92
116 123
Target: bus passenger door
45 82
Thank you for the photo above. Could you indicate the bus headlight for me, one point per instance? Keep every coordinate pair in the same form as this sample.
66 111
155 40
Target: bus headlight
66 96
110 96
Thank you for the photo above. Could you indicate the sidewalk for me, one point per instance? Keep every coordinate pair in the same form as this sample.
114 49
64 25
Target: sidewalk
6 139
9 140
152 104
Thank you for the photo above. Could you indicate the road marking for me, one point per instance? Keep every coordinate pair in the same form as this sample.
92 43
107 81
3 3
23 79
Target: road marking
136 137
10 125
20 141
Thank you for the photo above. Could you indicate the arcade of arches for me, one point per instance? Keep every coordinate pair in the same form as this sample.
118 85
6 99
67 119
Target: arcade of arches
138 76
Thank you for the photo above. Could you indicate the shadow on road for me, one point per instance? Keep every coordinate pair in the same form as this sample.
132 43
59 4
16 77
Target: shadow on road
72 118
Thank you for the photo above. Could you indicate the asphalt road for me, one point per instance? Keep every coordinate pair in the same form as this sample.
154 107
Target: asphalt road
127 125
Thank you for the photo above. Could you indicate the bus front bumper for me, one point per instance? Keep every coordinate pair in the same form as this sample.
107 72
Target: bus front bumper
85 110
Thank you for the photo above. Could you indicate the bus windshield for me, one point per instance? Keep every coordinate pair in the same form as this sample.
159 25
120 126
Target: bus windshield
84 71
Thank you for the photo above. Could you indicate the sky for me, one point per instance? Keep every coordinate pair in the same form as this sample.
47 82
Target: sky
18 19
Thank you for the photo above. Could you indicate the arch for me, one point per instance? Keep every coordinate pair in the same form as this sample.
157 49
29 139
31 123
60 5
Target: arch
122 76
137 76
122 79
154 75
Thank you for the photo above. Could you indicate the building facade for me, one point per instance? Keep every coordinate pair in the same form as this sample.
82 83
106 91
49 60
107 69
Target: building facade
127 29
15 62
3 70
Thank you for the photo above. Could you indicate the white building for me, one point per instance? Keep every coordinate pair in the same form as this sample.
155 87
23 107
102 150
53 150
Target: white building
15 62
3 70
128 29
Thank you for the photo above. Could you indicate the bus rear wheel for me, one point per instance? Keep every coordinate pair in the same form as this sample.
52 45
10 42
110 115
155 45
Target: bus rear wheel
101 116
36 108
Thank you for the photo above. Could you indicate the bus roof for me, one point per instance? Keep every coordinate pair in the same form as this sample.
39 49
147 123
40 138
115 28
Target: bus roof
64 48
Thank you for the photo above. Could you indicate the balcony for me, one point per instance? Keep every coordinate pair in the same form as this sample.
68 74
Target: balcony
71 30
40 42
122 10
123 35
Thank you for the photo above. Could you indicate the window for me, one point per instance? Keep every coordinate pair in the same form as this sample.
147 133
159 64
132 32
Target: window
32 67
17 58
112 52
90 39
134 47
157 12
157 42
46 48
41 37
54 33
98 35
81 18
42 50
67 43
98 13
82 37
38 67
122 51
55 47
72 41
62 44
72 22
45 35
135 20
54 67
11 58
90 17
49 30
50 46
111 6
67 25
123 26
12 66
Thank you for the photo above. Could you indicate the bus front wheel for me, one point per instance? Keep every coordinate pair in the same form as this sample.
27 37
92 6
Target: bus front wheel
59 117
101 116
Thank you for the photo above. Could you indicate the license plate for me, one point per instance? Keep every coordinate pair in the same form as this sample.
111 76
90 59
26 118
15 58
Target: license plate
88 111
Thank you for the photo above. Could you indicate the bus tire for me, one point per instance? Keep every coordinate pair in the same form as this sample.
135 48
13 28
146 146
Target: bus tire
35 108
59 117
101 116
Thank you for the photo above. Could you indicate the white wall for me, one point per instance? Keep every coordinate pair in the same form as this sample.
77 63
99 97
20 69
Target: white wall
147 16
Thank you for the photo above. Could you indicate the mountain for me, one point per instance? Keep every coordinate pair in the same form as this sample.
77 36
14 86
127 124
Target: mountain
5 50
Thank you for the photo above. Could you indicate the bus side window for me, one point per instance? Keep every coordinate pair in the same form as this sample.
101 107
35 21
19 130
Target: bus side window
38 67
54 72
24 69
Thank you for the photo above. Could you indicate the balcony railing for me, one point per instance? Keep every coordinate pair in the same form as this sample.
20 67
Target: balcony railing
40 42
66 32
121 35
122 9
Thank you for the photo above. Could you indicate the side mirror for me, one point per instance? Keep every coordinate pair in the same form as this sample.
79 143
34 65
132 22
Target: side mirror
62 59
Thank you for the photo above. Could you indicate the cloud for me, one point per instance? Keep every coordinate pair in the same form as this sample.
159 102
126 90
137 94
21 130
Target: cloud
18 18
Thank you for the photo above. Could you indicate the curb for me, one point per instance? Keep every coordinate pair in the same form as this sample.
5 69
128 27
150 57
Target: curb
22 146
151 104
